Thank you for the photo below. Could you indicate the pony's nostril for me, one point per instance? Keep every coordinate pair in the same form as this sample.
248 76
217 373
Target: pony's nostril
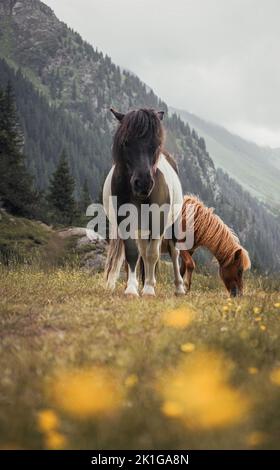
141 186
137 183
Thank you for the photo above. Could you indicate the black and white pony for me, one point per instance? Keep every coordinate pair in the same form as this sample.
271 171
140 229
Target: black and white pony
143 176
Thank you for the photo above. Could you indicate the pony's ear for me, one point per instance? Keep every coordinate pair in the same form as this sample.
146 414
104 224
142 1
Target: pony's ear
160 115
118 116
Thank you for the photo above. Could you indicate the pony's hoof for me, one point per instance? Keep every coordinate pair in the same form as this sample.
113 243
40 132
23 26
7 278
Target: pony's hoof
180 290
131 291
110 286
148 291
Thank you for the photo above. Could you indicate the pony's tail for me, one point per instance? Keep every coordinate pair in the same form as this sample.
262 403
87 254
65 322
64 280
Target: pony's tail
114 261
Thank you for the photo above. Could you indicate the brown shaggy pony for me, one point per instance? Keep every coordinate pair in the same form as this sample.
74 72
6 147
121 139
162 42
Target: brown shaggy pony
212 233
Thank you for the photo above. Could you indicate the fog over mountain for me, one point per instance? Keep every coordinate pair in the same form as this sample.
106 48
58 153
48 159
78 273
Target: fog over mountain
214 58
256 168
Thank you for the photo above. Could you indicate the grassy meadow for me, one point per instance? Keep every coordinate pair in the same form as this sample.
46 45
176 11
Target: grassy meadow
83 368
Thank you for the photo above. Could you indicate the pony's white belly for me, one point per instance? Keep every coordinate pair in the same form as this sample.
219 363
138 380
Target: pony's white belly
174 188
107 193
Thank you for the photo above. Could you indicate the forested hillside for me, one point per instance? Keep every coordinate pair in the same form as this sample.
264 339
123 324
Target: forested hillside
256 168
64 89
80 84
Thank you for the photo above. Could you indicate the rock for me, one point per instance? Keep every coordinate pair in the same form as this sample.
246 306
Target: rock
85 241
72 232
94 264
96 243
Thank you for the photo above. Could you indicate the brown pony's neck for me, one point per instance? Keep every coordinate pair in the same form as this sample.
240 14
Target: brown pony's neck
211 232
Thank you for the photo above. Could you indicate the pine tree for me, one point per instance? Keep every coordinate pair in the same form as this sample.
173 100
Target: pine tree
85 200
16 185
74 90
61 192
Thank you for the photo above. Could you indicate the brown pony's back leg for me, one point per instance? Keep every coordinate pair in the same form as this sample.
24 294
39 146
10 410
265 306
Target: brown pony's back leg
187 268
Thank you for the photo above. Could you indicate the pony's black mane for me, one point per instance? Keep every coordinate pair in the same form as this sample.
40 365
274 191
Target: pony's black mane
138 125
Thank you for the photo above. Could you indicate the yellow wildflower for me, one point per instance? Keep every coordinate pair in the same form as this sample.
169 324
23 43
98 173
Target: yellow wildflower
275 376
187 347
277 305
255 438
225 308
263 327
258 318
47 420
131 380
55 440
179 317
253 370
171 409
257 310
197 392
87 393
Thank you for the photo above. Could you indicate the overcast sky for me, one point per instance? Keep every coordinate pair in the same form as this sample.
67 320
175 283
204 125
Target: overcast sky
216 58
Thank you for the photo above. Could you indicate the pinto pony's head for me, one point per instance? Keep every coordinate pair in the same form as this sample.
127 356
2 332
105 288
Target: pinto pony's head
232 271
137 144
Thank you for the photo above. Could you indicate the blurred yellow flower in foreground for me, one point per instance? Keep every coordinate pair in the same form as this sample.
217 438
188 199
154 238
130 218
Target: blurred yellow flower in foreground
263 327
253 370
187 347
131 381
257 310
172 409
255 438
55 440
225 308
179 317
198 393
277 305
275 376
86 393
47 420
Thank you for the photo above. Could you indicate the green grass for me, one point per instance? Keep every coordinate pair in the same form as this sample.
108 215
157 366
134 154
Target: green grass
21 240
61 320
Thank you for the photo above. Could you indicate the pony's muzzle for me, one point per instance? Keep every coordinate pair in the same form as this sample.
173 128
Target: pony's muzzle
142 186
235 292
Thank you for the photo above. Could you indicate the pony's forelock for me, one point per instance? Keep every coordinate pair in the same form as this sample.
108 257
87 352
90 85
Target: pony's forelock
138 124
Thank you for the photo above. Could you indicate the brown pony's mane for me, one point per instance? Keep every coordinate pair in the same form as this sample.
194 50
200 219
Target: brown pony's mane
210 231
138 124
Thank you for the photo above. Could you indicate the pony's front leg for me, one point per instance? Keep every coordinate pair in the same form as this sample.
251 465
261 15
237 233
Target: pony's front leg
175 255
149 250
188 266
131 256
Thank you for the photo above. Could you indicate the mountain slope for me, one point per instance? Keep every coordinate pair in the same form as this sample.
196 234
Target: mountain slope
256 168
76 79
64 89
